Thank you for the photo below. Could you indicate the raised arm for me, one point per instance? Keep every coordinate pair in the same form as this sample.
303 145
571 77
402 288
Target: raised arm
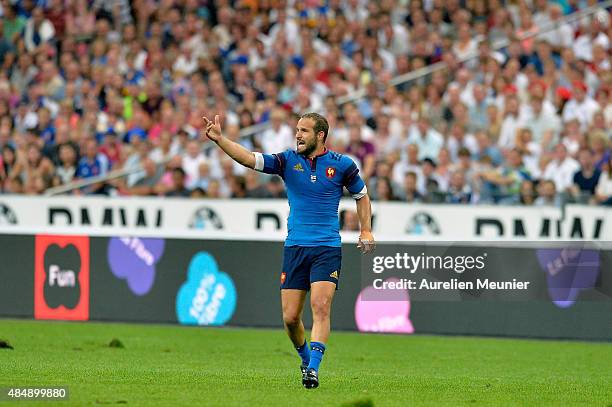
237 152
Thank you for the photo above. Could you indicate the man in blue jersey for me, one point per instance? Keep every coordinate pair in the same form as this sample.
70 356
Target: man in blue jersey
315 178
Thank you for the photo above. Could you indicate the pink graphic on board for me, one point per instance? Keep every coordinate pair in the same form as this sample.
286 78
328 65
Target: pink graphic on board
383 311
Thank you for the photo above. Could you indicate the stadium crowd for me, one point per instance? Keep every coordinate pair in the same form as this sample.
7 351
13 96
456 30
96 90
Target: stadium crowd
87 87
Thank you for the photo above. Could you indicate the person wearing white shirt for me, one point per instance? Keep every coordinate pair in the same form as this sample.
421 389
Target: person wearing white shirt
192 160
544 125
427 139
562 35
581 107
561 170
279 137
603 191
458 139
510 124
409 164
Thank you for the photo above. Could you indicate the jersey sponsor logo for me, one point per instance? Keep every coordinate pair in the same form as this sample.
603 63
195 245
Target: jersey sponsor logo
208 297
334 274
298 167
283 277
134 259
330 172
61 277
313 178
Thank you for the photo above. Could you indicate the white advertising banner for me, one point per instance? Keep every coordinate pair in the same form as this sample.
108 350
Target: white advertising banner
394 220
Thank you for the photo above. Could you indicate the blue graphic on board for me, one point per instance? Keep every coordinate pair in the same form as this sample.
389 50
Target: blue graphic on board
208 297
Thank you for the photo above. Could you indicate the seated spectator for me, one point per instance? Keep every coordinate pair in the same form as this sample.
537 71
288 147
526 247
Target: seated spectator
349 221
410 188
254 188
147 185
547 194
504 182
586 179
362 150
67 169
384 190
93 164
561 169
178 188
603 192
459 192
192 159
601 152
527 193
33 165
276 187
427 139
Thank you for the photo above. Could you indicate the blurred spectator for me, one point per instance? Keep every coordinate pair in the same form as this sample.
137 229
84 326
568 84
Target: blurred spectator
581 106
459 192
527 194
427 139
279 137
192 160
505 182
384 190
586 179
350 221
67 165
147 184
38 30
254 189
603 192
410 188
561 169
547 194
178 188
92 164
362 150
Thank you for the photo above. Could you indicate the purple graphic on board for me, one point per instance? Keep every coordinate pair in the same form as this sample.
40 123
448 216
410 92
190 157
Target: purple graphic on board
567 272
134 259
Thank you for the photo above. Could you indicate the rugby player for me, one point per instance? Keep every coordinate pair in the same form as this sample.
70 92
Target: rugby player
314 177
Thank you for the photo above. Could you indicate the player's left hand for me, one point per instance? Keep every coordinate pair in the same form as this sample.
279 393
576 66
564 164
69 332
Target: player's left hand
366 242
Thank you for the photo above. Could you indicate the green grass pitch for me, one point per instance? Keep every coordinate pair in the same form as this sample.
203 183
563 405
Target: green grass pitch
165 365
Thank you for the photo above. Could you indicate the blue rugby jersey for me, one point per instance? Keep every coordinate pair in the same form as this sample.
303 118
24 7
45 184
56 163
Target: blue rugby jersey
314 188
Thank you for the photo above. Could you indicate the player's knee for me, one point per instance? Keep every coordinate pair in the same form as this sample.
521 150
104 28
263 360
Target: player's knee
321 308
291 319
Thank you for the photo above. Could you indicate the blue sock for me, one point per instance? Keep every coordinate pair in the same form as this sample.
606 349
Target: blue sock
304 352
316 355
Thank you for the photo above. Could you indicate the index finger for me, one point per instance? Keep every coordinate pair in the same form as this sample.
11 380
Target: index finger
206 119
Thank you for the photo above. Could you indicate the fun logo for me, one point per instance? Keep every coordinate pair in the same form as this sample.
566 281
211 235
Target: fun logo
383 311
568 271
208 297
61 277
134 260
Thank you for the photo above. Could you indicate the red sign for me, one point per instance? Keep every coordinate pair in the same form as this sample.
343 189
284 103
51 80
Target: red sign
61 277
